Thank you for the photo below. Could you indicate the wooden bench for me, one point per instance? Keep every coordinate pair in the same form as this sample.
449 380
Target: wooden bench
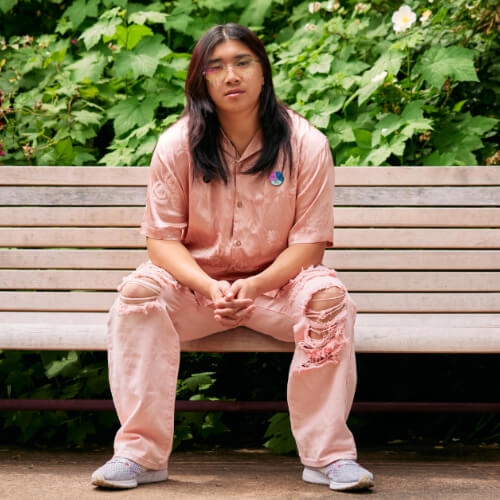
417 247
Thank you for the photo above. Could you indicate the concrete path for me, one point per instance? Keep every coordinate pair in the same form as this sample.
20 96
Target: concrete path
401 472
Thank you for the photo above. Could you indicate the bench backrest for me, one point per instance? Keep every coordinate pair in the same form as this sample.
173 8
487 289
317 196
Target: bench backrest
407 239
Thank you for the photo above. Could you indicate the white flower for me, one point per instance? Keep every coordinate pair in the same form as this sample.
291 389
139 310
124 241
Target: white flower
425 16
331 6
384 131
380 77
310 27
430 1
314 7
403 18
361 7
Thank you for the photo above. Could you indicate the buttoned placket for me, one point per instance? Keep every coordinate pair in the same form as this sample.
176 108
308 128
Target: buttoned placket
236 162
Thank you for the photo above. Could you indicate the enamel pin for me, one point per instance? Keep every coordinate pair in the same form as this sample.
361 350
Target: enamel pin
276 178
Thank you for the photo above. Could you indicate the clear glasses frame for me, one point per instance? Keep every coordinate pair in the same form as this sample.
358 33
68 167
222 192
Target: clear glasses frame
218 71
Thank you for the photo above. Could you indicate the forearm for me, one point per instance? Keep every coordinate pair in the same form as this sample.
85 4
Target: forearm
174 257
288 264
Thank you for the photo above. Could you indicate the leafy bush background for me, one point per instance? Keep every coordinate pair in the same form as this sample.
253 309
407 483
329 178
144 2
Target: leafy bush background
96 81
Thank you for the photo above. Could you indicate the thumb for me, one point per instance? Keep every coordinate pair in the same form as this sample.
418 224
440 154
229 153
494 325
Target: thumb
236 288
226 289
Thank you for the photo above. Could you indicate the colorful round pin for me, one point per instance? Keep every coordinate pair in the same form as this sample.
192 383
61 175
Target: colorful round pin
276 178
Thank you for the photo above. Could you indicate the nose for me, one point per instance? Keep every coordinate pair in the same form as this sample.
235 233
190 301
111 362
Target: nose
231 75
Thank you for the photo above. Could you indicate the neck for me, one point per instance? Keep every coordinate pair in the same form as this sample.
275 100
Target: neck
240 127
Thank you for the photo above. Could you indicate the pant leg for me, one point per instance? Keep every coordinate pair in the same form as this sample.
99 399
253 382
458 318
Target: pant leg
143 360
322 378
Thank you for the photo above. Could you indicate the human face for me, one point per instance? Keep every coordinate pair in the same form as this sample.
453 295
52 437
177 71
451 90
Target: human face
236 91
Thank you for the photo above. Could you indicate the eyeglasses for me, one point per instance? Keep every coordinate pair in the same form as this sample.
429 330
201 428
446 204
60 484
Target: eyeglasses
218 71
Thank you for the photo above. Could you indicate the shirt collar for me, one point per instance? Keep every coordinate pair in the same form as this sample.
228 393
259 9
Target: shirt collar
254 146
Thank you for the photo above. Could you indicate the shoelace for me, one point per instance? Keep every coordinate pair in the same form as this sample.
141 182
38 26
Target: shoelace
122 460
337 465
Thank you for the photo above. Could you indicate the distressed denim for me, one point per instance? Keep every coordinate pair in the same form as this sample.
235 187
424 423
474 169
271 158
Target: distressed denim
144 336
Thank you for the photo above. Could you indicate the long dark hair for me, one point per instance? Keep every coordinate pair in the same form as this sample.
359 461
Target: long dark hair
204 126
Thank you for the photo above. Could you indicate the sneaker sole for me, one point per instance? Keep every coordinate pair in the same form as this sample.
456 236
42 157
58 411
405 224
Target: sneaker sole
146 477
316 477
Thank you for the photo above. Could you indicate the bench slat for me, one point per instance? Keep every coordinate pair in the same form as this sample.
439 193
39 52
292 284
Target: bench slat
354 176
356 281
366 302
415 334
344 216
344 238
359 196
334 258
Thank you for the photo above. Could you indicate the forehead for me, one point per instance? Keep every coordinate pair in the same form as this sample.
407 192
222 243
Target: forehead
229 49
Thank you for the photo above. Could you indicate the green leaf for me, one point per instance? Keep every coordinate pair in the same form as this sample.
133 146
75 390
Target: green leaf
220 5
82 133
476 124
321 64
390 61
438 63
414 116
178 22
79 10
90 67
280 432
6 5
378 156
105 27
87 117
386 126
143 16
255 12
131 36
144 59
132 113
197 382
363 138
436 159
56 367
459 105
64 152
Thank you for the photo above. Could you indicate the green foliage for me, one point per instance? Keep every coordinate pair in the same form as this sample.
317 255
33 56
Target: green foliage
54 375
381 97
280 433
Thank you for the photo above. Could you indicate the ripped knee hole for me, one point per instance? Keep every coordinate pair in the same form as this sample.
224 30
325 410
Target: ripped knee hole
139 291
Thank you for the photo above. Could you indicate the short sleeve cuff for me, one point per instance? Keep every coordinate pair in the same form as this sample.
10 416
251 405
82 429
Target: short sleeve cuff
168 233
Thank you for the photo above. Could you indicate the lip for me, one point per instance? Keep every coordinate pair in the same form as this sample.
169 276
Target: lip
233 92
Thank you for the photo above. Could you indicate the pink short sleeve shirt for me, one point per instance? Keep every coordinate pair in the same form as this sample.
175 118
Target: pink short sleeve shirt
237 230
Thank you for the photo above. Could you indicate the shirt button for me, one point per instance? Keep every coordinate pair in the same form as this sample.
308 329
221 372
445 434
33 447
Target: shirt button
237 243
239 204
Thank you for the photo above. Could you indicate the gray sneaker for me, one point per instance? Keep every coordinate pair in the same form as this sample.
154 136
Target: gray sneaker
340 475
120 472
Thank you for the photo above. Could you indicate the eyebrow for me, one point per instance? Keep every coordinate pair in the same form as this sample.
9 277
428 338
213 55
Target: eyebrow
219 59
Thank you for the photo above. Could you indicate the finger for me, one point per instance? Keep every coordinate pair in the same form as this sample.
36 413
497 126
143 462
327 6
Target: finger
234 304
236 287
225 321
241 313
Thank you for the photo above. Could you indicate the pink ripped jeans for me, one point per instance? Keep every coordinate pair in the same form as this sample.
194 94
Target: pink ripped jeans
144 336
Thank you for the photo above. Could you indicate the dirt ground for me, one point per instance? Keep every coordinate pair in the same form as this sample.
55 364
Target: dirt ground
401 471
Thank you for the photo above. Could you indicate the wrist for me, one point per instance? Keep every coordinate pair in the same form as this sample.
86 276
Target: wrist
206 287
257 284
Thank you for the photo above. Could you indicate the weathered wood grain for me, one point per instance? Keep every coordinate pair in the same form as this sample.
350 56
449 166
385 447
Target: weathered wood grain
478 302
344 196
411 334
343 238
468 260
344 216
353 176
